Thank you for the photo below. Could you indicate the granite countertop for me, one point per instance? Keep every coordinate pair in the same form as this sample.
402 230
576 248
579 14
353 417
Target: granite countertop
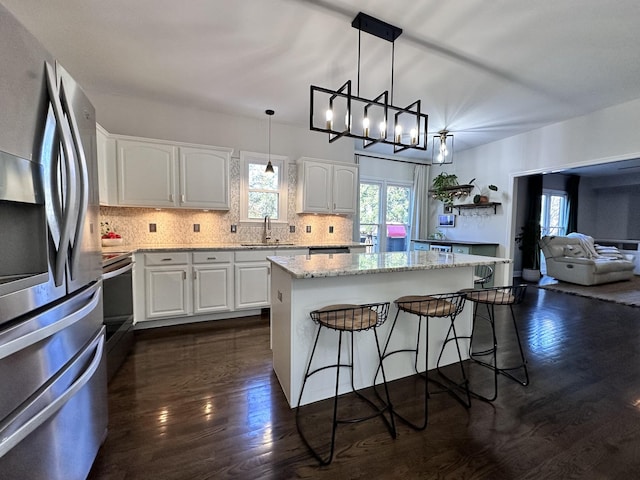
452 242
316 266
221 246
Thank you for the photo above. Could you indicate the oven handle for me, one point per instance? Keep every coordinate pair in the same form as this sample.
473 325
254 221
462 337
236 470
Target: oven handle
10 441
115 273
36 336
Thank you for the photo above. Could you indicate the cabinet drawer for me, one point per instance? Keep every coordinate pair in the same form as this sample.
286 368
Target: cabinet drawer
212 257
461 249
291 252
253 255
421 246
166 258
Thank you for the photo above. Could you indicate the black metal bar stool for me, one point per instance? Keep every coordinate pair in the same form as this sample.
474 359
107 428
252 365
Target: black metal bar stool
425 307
488 356
347 318
482 275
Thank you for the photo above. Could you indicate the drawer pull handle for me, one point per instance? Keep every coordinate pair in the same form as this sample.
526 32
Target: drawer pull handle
212 258
167 259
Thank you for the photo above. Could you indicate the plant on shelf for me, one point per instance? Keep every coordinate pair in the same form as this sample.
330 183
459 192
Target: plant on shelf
443 187
483 196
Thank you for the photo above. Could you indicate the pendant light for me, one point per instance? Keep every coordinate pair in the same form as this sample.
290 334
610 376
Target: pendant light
403 127
269 168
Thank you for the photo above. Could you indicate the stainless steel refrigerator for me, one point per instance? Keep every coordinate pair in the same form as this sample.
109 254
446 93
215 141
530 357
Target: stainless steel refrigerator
53 387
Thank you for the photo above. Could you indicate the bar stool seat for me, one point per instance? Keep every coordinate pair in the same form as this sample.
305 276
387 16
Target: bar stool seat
427 307
347 318
488 356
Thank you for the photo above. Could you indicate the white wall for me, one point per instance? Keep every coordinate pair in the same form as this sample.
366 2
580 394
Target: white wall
608 207
143 118
605 135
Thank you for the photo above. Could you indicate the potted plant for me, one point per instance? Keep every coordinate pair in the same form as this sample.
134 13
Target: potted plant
483 196
528 241
442 187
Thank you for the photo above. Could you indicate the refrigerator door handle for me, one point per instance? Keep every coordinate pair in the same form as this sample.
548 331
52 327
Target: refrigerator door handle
70 197
10 441
24 341
80 209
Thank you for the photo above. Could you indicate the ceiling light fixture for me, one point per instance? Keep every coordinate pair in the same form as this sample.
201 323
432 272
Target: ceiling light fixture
443 148
373 117
269 168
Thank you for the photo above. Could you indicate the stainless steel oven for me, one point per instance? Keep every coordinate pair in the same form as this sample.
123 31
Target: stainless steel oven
117 281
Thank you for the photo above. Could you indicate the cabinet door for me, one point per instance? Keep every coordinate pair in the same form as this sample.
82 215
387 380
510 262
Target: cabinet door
166 292
204 178
212 288
345 181
107 180
253 285
146 174
316 187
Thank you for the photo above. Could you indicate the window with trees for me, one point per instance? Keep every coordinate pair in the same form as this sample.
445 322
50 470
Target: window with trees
262 194
553 212
385 213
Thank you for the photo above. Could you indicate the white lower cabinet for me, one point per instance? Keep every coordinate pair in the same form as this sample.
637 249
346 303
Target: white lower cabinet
180 284
212 282
253 279
166 285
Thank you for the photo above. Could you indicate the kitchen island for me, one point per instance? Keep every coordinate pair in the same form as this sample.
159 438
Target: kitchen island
300 284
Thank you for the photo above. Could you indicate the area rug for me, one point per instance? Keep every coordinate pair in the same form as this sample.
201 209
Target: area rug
625 292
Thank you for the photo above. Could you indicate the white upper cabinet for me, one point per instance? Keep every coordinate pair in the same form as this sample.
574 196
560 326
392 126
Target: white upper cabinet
204 178
163 174
345 188
325 187
146 174
106 148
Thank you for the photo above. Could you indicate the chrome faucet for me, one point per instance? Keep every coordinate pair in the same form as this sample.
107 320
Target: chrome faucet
266 236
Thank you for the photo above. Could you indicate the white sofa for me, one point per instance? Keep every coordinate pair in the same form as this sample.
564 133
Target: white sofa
576 259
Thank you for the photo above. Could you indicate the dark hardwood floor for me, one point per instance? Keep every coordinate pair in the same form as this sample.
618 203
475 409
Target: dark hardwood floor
202 402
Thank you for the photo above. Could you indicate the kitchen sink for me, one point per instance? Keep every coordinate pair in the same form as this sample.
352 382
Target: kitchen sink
262 244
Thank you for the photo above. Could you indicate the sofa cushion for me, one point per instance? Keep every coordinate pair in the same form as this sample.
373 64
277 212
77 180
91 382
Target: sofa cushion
611 252
574 251
606 265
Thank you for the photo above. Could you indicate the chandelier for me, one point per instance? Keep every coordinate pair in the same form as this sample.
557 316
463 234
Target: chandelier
374 121
443 148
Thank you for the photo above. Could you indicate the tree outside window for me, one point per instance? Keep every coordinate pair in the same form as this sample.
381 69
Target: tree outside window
262 193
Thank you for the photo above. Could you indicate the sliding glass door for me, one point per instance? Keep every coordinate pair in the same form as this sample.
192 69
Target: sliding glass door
385 212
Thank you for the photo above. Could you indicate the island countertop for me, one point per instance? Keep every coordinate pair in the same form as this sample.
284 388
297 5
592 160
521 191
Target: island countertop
318 266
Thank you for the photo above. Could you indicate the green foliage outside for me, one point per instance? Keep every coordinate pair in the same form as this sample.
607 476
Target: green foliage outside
263 192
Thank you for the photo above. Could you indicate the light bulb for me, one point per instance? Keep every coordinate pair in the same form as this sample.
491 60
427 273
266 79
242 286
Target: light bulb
414 136
329 118
365 126
398 133
383 129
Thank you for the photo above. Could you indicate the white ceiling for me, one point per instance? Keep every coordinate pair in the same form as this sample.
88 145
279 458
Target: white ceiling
485 70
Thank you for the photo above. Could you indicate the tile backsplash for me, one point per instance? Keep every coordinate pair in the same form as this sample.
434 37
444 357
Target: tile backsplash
176 226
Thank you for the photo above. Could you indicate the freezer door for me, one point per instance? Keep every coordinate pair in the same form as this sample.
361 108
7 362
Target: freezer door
33 351
56 434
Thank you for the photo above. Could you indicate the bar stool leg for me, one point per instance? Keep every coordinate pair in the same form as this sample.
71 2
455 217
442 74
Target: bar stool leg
385 354
492 352
377 411
462 385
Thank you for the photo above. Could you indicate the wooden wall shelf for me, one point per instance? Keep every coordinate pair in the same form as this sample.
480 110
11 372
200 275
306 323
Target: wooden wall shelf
472 206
